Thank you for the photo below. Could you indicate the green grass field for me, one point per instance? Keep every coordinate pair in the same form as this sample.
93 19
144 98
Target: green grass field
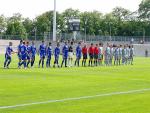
19 87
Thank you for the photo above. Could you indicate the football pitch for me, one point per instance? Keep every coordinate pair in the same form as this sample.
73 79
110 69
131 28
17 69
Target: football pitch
116 89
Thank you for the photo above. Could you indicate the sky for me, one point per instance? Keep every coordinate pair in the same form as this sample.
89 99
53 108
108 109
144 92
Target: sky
33 8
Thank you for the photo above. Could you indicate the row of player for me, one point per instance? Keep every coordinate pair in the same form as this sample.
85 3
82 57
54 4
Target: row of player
26 54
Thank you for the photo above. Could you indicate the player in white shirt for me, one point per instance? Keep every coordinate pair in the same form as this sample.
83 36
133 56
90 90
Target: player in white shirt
131 48
123 55
70 55
111 54
107 55
100 54
116 56
128 55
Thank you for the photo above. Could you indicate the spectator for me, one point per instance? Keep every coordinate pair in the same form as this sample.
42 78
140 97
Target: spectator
146 53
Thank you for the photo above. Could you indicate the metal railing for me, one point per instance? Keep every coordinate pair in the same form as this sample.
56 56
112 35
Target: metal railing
90 38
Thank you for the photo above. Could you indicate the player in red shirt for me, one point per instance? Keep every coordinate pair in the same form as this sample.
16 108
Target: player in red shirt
91 54
84 53
96 51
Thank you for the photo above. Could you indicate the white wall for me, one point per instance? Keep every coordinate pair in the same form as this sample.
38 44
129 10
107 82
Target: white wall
139 48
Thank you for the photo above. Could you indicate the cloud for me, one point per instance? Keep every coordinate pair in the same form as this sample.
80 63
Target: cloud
32 8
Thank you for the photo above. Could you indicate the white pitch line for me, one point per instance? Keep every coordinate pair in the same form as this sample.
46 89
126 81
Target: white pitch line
76 98
140 80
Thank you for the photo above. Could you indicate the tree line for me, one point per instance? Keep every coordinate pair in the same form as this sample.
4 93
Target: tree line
119 22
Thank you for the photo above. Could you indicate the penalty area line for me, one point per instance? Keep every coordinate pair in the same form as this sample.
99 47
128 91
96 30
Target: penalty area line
76 98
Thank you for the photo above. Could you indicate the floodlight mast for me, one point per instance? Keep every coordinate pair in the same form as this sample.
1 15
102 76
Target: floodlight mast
54 22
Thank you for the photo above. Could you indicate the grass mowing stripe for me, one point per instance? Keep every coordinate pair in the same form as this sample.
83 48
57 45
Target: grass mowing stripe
76 98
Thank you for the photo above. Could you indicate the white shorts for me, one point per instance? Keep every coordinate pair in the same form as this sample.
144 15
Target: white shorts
70 55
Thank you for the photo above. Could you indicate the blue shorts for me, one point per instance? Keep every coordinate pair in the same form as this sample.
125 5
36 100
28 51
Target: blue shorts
42 56
65 57
28 57
49 57
56 57
78 57
7 57
33 57
24 57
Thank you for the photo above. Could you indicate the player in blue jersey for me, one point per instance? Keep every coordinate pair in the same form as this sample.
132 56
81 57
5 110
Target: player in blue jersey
23 51
8 53
56 54
28 54
78 54
19 52
42 53
49 55
33 53
65 51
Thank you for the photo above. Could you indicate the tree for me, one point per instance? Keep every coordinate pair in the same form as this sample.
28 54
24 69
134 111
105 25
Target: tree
144 9
3 24
70 13
44 22
91 22
15 26
66 15
110 25
28 25
120 13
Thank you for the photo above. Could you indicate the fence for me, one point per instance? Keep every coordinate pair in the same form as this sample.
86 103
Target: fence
17 37
90 38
